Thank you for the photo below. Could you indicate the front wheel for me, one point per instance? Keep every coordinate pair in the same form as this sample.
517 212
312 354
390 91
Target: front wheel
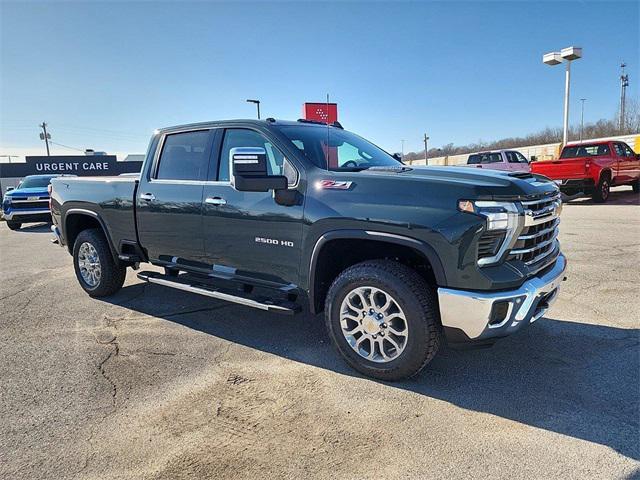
97 272
383 319
14 225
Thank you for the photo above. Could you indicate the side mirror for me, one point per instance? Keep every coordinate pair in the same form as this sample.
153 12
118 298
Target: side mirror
250 172
9 189
397 156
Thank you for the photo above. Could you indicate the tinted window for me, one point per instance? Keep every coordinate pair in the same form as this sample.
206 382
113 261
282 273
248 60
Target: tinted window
627 150
484 158
184 156
250 138
585 151
516 157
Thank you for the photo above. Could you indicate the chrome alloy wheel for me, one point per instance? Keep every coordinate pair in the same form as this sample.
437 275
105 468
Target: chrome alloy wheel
374 324
89 264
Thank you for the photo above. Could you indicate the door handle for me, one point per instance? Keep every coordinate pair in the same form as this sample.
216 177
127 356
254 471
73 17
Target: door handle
215 201
147 196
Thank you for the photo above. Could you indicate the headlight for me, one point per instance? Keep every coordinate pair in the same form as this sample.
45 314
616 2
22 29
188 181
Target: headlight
503 225
6 199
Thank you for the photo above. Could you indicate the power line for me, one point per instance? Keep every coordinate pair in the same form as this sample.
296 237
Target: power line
67 146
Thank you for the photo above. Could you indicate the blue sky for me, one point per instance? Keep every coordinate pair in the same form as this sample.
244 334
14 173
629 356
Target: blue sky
104 75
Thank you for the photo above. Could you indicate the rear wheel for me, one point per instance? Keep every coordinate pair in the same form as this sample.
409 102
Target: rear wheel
602 190
97 272
14 225
383 319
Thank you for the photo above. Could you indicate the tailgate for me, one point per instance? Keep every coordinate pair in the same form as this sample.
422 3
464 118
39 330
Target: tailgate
561 169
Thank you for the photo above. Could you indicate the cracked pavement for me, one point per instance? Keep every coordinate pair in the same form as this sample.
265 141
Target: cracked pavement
159 384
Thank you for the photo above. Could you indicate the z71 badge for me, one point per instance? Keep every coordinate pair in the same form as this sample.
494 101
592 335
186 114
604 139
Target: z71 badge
274 241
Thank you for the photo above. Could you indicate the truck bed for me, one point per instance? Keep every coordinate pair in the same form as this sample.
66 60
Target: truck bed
564 168
112 198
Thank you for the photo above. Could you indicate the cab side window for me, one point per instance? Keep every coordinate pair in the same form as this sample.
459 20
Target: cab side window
277 164
184 156
619 149
627 150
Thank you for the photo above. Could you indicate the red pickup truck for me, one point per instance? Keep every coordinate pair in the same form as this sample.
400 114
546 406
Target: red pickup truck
592 168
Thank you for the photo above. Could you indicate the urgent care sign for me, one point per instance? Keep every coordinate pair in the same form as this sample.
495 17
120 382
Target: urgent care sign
320 112
70 165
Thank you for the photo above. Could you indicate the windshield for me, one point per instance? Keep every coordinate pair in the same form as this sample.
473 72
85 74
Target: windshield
35 182
346 151
585 151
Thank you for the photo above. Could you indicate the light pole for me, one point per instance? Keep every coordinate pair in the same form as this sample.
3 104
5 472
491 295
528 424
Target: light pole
568 54
402 152
257 102
426 150
582 118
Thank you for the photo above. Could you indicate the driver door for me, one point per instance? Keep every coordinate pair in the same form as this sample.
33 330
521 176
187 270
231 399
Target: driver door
248 234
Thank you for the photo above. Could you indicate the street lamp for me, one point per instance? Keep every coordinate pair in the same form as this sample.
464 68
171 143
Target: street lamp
568 54
582 118
257 102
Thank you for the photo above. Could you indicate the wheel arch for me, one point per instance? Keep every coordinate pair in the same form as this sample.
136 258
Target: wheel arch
79 219
370 245
605 171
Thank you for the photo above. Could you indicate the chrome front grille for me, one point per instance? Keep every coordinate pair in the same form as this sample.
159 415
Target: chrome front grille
538 239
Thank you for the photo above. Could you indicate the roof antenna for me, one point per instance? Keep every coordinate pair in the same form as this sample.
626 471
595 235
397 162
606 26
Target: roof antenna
327 120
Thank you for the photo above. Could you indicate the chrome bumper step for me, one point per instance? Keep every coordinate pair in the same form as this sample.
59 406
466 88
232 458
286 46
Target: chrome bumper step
188 283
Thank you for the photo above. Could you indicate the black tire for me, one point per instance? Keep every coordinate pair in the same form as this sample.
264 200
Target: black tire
112 273
636 186
14 225
603 189
415 297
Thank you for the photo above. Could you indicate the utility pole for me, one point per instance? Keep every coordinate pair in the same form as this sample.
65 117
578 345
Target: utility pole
45 136
624 83
582 118
402 152
426 150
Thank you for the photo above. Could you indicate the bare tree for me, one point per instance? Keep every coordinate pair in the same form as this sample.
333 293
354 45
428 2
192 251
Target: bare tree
599 129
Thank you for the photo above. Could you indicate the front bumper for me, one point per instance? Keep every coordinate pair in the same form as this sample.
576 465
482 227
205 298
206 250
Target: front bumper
26 216
469 316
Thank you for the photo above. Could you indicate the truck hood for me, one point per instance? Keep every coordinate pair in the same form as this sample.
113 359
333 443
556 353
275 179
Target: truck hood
485 183
27 192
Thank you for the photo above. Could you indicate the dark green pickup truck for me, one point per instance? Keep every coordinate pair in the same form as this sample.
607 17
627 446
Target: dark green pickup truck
293 216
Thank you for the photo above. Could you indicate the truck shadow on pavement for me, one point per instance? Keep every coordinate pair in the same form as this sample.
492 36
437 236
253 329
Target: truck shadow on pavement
35 228
616 197
575 379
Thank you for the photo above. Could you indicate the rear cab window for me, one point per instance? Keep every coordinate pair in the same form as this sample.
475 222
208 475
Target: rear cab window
576 151
484 158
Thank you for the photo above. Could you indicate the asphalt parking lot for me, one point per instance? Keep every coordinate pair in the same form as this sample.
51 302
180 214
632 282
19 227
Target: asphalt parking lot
156 383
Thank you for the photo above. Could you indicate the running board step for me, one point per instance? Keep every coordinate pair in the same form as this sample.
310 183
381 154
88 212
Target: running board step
188 285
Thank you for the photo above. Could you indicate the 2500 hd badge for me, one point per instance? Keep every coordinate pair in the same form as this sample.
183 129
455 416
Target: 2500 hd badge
464 256
274 241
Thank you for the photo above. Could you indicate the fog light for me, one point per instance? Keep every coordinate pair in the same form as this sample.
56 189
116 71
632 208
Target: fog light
499 312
